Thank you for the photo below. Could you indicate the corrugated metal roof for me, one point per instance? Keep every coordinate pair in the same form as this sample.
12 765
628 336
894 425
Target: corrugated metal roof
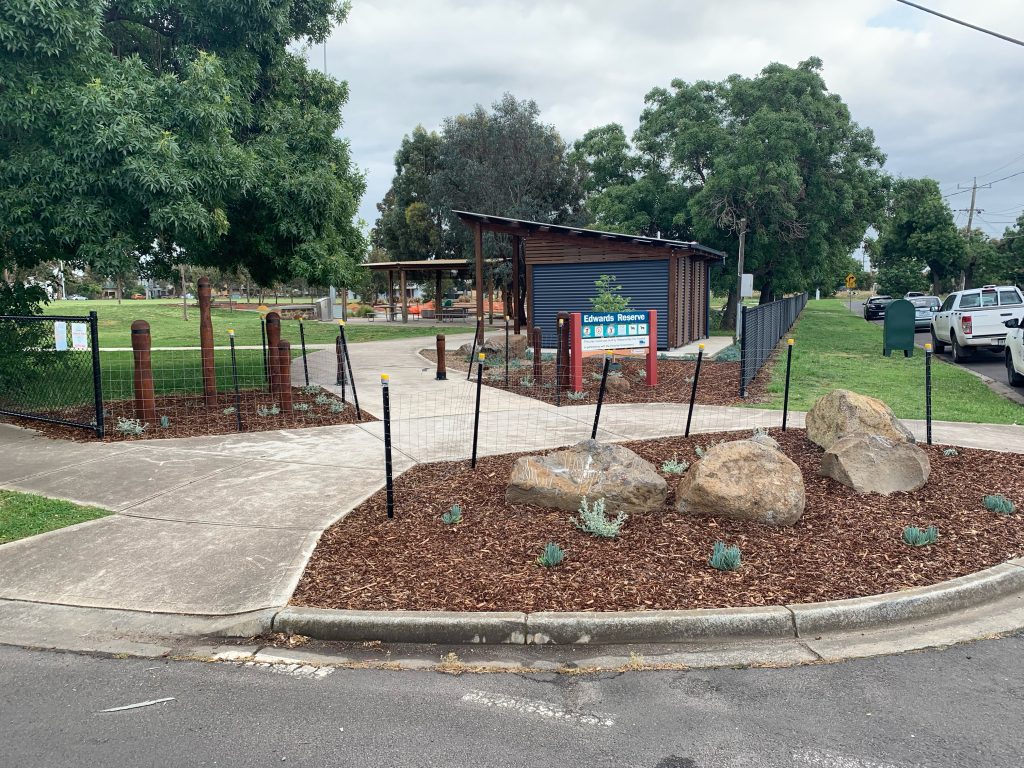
483 218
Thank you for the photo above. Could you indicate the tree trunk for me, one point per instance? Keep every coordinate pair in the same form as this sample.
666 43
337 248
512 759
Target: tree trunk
767 291
118 290
729 313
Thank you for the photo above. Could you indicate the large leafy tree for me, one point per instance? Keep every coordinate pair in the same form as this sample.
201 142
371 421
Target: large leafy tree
917 234
137 130
778 151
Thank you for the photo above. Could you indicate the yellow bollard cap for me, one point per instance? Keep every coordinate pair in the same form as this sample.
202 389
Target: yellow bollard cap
561 320
700 346
481 356
790 342
384 378
231 331
928 346
341 322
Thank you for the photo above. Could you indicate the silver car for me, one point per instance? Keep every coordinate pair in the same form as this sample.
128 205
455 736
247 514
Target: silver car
924 308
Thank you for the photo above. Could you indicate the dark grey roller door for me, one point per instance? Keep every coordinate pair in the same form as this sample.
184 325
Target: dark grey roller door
569 288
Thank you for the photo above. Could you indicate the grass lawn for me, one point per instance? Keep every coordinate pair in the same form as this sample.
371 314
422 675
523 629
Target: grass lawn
169 330
837 350
25 514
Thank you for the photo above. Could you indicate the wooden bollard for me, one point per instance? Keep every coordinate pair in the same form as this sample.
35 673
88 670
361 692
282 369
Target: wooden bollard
273 341
206 344
538 363
284 374
145 400
442 367
562 374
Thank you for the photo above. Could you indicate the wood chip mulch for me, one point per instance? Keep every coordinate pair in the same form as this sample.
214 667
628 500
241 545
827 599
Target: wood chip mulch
718 385
189 416
845 545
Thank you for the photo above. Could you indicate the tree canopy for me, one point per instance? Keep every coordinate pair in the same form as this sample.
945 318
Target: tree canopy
137 130
778 150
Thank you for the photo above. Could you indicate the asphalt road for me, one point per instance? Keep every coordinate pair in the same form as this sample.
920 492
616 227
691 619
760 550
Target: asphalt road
988 363
957 707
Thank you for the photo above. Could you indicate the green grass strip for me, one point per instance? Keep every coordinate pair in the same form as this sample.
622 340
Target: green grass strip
835 349
25 514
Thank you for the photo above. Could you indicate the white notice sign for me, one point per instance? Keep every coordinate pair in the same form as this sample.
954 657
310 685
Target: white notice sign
79 336
60 335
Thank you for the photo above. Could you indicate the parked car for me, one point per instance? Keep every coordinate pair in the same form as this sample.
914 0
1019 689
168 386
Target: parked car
875 307
1015 352
76 297
137 296
925 308
976 319
913 295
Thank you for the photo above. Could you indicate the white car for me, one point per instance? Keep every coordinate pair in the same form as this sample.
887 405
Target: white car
1015 352
975 319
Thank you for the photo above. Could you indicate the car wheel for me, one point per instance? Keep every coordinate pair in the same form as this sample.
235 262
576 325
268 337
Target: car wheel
1012 377
938 346
960 355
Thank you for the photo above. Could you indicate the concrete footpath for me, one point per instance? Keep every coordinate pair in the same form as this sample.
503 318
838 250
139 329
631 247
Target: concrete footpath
223 526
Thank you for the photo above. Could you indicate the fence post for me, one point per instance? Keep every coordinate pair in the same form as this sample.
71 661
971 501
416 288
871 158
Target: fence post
97 377
538 355
273 341
785 398
387 446
600 395
145 400
476 410
302 341
693 390
206 344
558 366
442 364
563 345
743 352
234 380
339 376
284 373
348 364
506 352
928 391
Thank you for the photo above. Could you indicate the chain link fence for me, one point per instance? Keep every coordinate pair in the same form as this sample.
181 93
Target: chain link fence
763 328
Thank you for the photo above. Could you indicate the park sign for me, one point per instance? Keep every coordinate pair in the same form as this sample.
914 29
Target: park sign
632 332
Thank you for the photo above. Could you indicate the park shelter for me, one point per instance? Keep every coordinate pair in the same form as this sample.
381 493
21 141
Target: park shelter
554 269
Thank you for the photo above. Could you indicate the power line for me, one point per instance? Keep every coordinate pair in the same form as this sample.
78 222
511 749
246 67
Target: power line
1007 38
1004 165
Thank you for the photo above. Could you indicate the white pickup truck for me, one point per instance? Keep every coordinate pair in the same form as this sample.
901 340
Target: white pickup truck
974 319
1015 352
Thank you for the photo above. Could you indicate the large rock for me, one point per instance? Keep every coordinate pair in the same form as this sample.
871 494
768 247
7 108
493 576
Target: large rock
743 480
617 384
495 345
589 469
875 464
841 413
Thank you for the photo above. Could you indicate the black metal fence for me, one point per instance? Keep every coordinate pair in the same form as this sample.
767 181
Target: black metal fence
763 327
50 370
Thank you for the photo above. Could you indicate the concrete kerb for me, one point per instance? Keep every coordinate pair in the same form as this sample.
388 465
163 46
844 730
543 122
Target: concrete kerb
791 622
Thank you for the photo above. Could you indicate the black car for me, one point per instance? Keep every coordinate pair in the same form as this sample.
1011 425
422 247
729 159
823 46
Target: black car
875 307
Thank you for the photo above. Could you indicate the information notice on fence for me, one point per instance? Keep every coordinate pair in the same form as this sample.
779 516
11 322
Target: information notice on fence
60 336
79 336
623 333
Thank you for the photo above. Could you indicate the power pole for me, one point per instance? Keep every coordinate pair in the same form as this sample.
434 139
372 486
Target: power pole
739 278
970 223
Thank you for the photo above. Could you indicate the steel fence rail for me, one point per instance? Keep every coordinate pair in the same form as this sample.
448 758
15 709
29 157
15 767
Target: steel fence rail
763 327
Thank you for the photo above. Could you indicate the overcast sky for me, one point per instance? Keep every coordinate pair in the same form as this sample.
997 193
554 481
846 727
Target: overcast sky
944 101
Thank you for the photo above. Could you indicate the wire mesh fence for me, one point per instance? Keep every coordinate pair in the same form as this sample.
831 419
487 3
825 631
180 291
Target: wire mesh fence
762 329
49 370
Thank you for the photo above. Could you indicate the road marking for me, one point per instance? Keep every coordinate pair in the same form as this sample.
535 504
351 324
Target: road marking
820 759
540 708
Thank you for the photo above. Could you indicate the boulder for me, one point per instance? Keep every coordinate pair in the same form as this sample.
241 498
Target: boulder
617 384
876 464
589 469
743 480
841 413
495 346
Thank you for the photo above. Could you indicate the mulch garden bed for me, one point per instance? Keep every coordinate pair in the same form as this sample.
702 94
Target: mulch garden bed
845 545
189 416
719 381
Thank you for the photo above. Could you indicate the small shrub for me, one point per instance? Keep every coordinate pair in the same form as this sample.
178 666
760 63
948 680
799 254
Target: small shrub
229 411
760 431
165 421
999 504
551 556
337 406
699 450
264 411
594 521
514 364
548 357
526 382
576 395
730 354
595 375
310 389
951 452
301 407
663 356
528 354
642 373
724 558
129 426
452 516
674 467
324 399
916 537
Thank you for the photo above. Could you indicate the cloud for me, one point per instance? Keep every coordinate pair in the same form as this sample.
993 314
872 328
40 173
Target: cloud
943 100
